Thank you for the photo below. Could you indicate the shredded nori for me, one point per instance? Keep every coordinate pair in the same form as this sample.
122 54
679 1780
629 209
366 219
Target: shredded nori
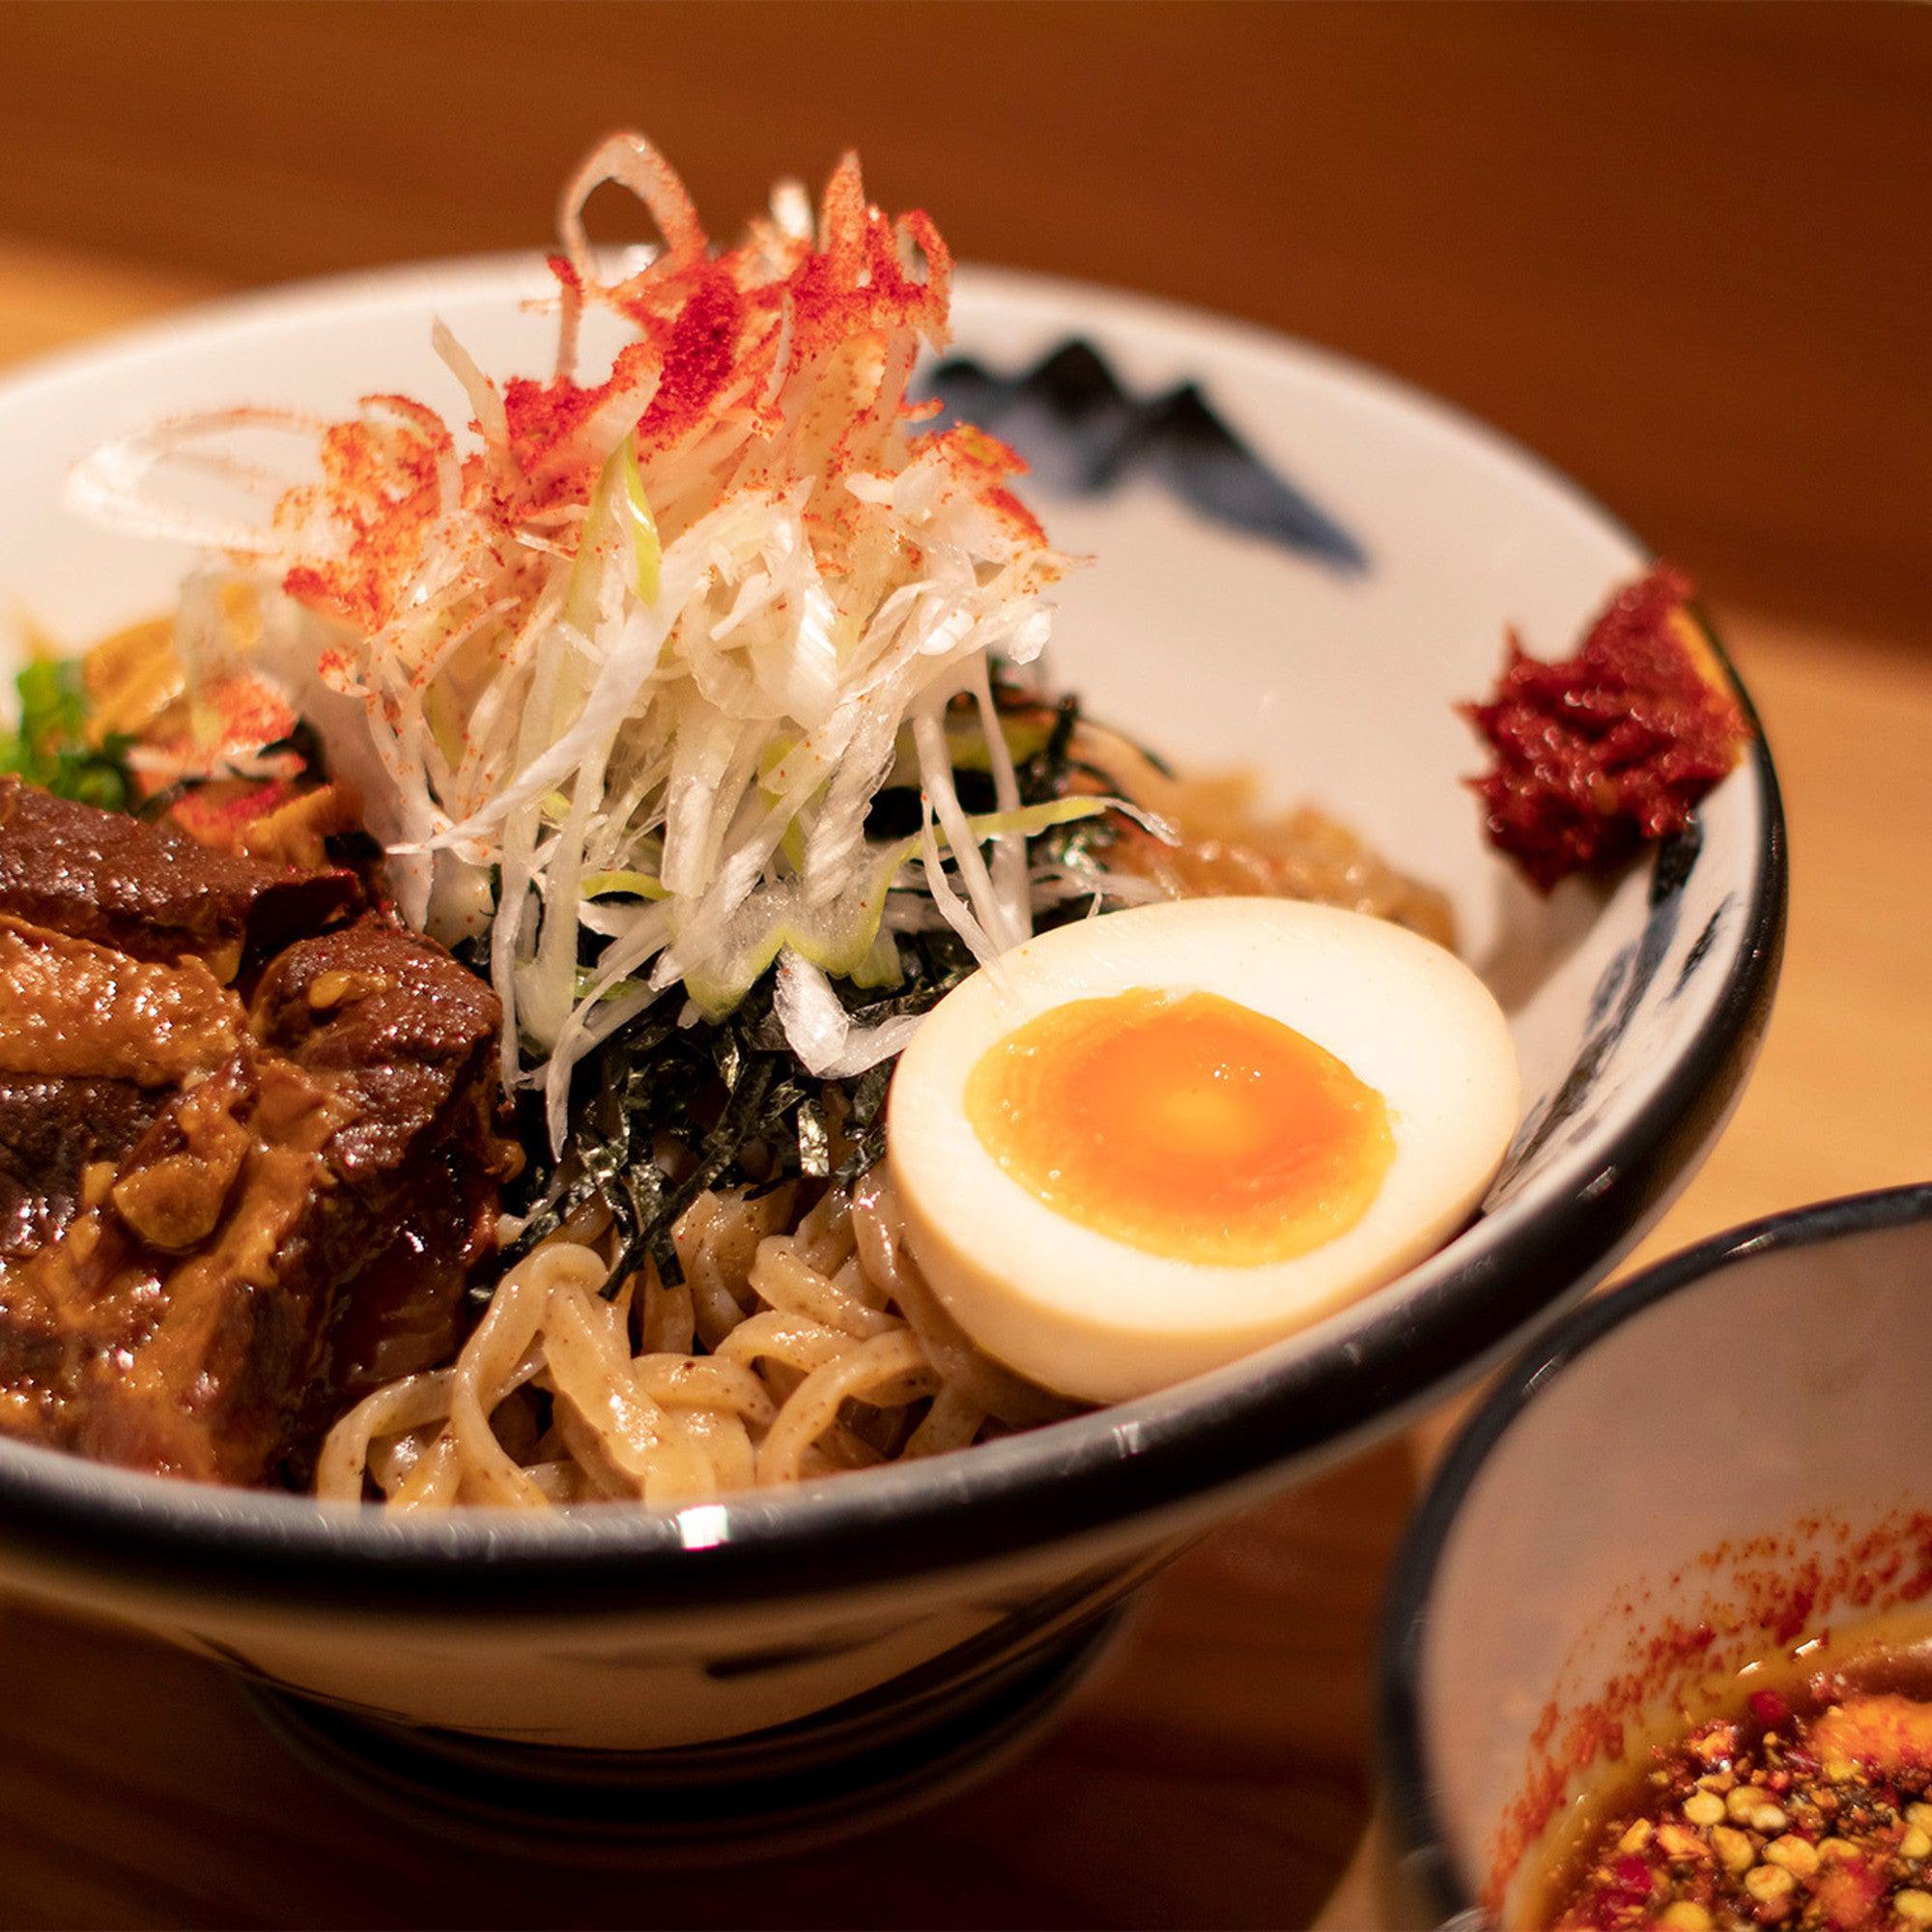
732 1092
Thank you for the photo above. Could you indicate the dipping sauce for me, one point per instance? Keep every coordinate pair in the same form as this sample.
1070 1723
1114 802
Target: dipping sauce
1809 1808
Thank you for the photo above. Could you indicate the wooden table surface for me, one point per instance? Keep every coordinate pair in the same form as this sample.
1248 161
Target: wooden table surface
1213 1771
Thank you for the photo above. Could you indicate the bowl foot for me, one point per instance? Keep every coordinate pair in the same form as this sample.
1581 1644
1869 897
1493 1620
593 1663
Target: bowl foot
765 1794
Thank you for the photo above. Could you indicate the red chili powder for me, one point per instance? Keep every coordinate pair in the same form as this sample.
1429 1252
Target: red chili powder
381 487
701 350
988 461
213 815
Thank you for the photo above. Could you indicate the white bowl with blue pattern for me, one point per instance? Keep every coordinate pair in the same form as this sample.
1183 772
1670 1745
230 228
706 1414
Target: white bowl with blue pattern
1312 609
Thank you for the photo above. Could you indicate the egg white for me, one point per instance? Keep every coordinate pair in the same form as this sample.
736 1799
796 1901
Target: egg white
1092 1317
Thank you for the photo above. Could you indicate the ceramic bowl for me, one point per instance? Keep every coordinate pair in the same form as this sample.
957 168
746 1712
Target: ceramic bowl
1300 566
1717 1465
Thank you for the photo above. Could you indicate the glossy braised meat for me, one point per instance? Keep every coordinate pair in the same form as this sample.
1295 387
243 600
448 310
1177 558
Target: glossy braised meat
392 1024
390 1021
406 1309
73 1008
150 890
51 1132
184 1310
218 1221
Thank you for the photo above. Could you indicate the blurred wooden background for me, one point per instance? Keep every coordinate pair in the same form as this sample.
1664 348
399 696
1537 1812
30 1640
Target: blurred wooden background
1683 250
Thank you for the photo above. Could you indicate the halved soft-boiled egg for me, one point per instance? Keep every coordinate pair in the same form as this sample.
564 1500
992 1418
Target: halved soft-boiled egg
1139 1147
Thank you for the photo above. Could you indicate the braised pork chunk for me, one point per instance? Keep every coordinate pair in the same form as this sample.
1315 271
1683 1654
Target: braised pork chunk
195 1195
150 890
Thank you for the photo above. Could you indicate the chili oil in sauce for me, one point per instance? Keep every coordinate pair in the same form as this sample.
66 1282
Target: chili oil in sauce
1807 1806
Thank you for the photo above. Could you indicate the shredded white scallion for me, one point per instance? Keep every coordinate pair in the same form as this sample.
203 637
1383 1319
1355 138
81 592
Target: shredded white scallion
618 669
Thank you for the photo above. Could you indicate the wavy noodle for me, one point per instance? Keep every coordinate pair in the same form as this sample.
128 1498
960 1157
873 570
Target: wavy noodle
802 1342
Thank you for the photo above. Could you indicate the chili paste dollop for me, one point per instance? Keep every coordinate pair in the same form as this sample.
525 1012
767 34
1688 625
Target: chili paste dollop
1599 752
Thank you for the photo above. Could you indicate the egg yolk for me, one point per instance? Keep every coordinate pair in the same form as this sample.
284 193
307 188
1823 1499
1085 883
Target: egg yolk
1182 1124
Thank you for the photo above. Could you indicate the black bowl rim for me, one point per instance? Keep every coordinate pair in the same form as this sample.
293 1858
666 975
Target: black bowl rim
62 1519
1417 1839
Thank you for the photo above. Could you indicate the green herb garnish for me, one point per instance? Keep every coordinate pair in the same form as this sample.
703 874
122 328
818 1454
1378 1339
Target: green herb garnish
50 748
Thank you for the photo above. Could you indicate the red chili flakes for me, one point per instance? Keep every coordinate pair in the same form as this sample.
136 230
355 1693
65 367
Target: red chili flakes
701 350
1800 1605
379 493
242 713
1806 1819
228 718
542 414
975 453
835 296
1764 1591
214 815
711 331
692 325
1848 1896
1602 750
